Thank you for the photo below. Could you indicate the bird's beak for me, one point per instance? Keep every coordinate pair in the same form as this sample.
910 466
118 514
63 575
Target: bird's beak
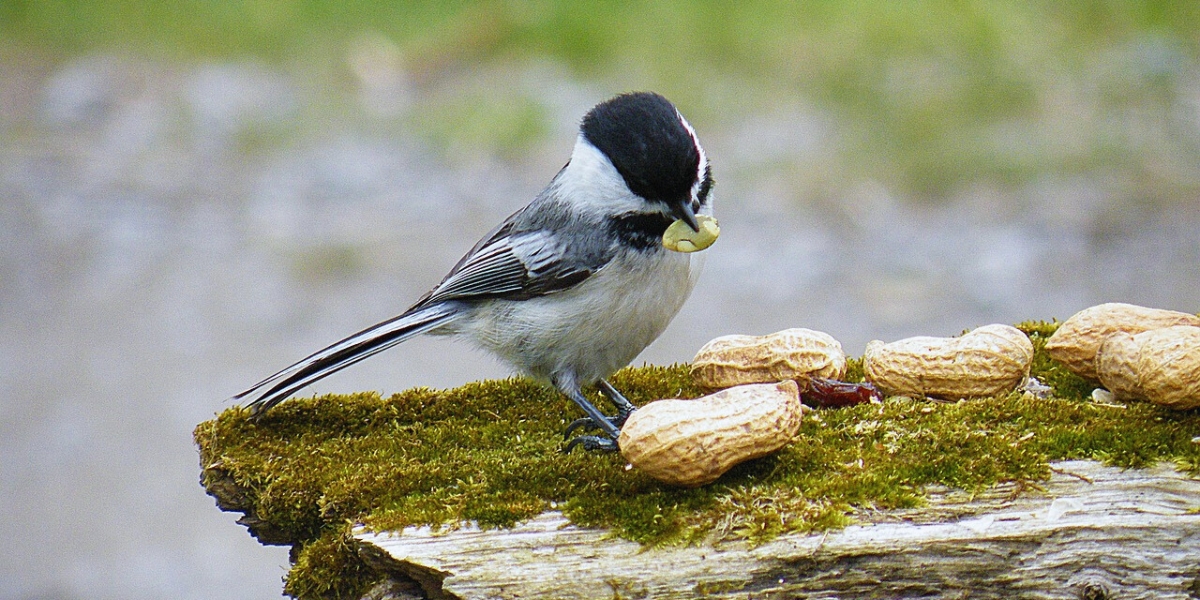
684 211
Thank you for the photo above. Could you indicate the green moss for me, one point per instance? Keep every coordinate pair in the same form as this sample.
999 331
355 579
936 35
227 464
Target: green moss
490 452
329 567
854 370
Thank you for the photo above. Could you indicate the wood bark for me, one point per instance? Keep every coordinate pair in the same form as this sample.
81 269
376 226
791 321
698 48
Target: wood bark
1089 532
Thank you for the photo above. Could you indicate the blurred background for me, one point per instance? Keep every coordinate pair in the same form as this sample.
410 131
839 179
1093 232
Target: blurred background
195 194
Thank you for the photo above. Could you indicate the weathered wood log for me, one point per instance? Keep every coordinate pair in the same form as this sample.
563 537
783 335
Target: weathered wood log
1089 532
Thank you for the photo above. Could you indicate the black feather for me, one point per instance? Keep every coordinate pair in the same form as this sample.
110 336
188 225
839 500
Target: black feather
644 137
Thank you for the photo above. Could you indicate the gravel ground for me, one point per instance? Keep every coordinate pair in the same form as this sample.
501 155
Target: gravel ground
175 233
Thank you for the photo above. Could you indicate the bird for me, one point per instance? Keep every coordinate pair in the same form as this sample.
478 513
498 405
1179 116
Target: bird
572 287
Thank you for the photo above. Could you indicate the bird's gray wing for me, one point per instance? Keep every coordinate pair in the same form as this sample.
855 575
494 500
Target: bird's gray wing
517 265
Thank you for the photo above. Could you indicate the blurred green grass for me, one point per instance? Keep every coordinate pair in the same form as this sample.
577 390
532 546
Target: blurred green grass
930 96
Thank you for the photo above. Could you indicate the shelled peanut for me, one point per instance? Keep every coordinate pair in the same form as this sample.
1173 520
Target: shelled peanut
987 361
1076 342
680 237
693 442
789 354
1161 365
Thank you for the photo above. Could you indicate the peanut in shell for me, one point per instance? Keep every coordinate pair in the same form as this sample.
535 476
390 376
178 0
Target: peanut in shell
988 361
693 442
1076 342
1161 365
789 354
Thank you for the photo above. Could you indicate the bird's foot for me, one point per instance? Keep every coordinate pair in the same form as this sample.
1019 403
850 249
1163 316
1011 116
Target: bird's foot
592 443
609 427
596 442
589 424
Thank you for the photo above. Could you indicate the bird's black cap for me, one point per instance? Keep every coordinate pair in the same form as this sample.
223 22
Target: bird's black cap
644 137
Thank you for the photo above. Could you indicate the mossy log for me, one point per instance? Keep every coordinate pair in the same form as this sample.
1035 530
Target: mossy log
1090 532
1021 495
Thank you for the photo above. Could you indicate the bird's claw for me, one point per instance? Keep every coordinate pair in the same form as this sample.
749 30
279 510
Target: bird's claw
592 443
595 442
588 424
617 421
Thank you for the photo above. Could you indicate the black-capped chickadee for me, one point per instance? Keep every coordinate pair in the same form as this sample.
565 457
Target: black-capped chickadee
572 287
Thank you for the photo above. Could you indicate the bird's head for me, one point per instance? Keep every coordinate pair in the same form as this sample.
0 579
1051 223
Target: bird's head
654 150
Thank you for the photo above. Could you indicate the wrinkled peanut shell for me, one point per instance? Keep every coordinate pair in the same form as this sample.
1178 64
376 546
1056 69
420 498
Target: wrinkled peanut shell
987 361
1160 365
1078 339
692 442
789 354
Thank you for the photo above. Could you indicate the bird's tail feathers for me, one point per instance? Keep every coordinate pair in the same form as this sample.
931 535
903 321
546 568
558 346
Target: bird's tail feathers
366 343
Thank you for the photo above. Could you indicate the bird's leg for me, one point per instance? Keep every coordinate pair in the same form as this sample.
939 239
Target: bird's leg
624 408
594 419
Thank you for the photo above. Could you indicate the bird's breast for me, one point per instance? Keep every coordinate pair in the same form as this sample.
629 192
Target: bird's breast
597 326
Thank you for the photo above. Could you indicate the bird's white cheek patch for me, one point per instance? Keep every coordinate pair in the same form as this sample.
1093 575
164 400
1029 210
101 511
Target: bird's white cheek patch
680 237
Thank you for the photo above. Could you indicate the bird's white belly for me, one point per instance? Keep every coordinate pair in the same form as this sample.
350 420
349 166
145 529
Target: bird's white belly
592 330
